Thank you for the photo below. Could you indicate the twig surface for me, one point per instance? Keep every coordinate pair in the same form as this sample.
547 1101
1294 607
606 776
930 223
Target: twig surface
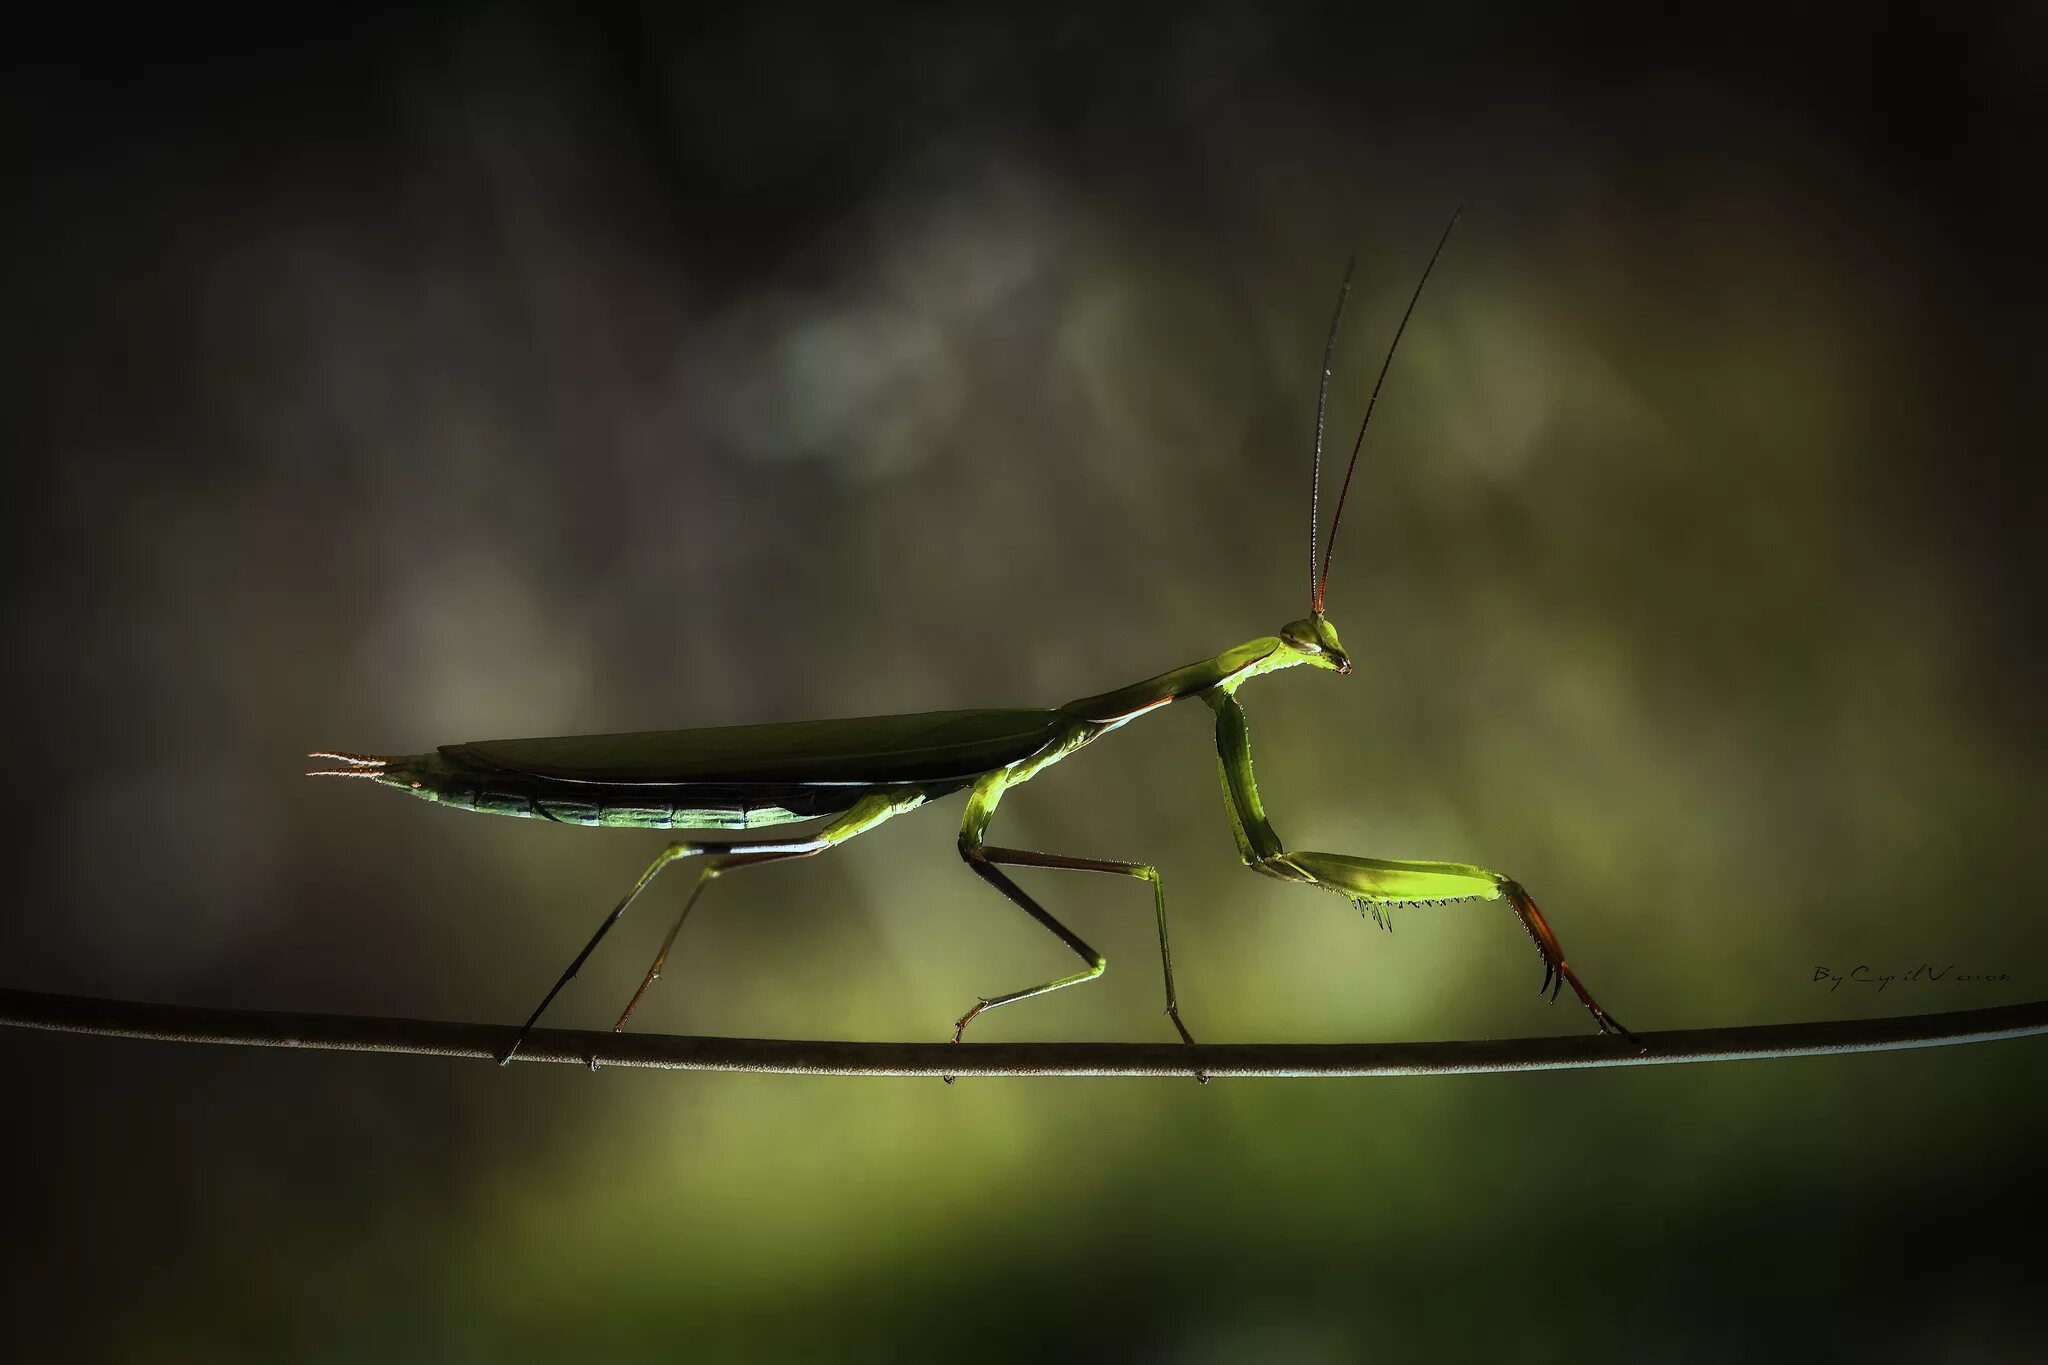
356 1033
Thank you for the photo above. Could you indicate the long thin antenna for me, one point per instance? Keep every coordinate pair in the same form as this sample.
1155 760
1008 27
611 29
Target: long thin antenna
1315 478
1322 581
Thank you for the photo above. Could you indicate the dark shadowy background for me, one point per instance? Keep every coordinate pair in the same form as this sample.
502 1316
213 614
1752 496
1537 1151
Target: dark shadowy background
384 383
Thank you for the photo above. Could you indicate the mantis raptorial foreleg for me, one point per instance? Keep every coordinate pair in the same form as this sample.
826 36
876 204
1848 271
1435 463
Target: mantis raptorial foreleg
1375 881
862 816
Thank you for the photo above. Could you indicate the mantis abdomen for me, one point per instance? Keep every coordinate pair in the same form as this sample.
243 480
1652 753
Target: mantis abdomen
445 781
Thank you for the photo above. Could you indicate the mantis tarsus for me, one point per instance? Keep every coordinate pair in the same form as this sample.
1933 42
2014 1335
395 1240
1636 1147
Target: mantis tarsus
855 774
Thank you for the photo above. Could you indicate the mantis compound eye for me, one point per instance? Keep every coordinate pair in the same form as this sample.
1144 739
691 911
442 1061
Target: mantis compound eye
1301 635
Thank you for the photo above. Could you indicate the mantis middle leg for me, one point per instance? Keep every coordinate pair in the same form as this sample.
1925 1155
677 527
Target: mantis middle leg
1376 881
983 858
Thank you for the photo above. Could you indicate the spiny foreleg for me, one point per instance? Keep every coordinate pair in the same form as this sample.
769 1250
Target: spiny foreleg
1378 883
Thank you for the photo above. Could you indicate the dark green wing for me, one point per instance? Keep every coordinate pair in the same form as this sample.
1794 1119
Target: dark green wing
865 751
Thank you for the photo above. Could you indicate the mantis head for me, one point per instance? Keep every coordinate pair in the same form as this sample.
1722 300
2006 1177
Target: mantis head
1313 640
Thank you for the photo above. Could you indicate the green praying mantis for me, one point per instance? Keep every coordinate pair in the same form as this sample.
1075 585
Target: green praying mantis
855 774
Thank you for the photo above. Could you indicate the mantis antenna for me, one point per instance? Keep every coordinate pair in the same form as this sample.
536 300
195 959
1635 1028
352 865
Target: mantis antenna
1315 477
1318 582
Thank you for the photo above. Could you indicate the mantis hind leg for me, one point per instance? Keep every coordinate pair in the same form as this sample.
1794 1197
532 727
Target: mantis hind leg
710 874
862 816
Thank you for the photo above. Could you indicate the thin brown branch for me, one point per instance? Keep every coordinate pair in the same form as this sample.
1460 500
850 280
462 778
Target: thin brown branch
483 1042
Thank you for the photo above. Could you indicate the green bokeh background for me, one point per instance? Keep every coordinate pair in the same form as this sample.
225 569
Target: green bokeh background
496 374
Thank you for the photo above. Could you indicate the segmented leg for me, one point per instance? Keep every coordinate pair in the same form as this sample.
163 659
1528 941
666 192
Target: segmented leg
1097 964
1376 882
983 859
1555 968
862 816
716 865
1022 857
704 879
1384 882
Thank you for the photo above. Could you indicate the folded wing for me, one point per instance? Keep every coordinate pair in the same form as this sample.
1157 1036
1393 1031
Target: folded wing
863 751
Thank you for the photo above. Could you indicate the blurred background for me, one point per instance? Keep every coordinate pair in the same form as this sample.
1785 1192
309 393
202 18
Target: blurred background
491 372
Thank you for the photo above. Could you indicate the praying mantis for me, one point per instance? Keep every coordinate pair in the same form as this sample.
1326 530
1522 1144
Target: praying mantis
855 774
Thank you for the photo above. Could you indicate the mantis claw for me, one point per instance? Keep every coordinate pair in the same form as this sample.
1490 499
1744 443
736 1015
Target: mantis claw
1609 1024
960 1025
1173 1013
